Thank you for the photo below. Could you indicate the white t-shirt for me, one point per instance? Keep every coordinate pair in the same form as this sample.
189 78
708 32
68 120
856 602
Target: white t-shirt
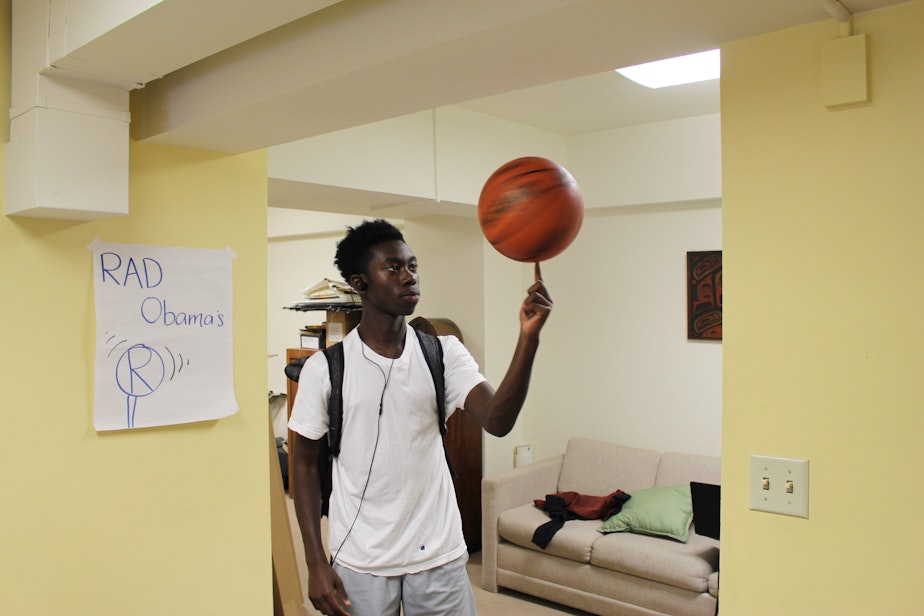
408 519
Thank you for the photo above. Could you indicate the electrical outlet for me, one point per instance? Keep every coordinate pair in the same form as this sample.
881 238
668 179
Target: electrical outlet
779 485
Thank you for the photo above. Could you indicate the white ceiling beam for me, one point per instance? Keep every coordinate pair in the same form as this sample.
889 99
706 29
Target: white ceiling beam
131 42
363 61
358 62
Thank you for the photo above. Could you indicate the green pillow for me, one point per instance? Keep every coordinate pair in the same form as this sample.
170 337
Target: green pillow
662 511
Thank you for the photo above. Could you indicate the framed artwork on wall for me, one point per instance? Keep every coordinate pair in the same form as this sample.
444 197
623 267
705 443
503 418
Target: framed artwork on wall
704 295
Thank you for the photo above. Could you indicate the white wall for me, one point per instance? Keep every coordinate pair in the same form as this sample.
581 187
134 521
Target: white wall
449 255
505 284
300 252
443 154
614 362
365 157
470 146
661 162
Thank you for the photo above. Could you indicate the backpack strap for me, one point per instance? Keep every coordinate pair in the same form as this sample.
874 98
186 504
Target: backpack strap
334 355
330 447
433 353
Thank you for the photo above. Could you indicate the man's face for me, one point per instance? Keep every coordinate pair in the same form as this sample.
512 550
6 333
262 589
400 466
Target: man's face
392 279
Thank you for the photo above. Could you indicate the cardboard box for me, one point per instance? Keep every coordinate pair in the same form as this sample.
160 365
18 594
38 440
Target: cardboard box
339 324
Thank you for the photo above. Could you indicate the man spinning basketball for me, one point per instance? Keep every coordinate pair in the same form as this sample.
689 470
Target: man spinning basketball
395 531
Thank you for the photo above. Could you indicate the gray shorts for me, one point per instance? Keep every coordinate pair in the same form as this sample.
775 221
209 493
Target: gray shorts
442 591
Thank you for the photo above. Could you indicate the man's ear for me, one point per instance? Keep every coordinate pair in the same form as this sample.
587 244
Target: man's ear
358 283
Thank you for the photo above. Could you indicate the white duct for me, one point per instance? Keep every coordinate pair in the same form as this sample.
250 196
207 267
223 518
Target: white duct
68 151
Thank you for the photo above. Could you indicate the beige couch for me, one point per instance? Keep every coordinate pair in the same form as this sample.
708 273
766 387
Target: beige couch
607 574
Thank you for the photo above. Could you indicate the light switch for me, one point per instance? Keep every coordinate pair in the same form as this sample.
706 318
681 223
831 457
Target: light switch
779 485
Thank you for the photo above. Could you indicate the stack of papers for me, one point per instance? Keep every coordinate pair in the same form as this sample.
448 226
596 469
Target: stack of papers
327 294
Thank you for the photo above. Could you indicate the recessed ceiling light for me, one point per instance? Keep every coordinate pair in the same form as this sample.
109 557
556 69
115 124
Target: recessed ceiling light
695 67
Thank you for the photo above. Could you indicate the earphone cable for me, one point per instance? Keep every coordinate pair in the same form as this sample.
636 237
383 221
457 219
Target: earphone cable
375 447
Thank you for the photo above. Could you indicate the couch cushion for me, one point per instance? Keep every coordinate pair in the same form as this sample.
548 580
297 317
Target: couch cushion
684 565
573 541
598 468
664 511
679 469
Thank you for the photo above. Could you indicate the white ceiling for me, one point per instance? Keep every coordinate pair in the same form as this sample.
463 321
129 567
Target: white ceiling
360 61
598 102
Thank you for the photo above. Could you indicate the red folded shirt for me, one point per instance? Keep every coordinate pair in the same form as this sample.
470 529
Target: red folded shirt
588 507
564 506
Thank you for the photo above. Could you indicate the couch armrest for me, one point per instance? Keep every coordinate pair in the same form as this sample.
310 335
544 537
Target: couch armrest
504 491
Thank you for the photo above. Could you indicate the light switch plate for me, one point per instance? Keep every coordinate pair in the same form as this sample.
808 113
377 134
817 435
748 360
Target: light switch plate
769 478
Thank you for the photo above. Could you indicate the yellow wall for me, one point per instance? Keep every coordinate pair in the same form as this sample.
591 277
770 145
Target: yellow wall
823 227
822 222
171 520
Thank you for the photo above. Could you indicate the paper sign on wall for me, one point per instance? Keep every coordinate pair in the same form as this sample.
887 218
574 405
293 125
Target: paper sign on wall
164 348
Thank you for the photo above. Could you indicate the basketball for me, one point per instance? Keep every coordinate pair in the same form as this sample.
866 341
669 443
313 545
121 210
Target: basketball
530 209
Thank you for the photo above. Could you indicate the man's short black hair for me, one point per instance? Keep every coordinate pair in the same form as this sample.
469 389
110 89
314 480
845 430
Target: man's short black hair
354 250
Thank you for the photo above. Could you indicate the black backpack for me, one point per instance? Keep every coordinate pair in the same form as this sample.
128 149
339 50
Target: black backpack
330 448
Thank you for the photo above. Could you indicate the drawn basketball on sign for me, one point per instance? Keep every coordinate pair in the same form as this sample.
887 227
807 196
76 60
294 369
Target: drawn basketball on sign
141 370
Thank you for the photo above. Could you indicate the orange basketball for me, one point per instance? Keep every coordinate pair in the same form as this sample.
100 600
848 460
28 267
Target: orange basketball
530 209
